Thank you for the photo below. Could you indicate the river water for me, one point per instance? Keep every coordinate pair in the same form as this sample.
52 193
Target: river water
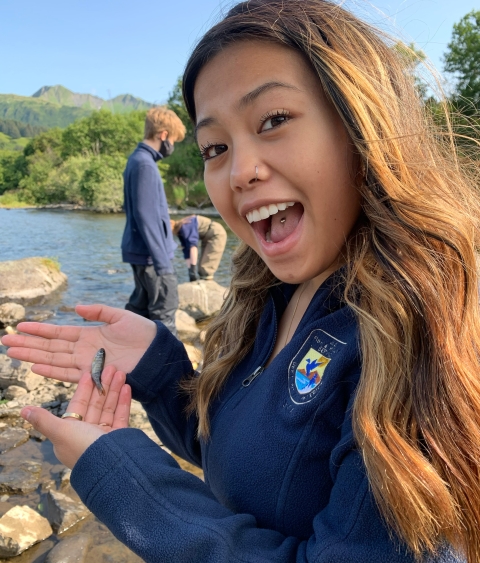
87 246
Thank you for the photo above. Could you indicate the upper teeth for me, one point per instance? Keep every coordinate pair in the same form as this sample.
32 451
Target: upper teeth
265 211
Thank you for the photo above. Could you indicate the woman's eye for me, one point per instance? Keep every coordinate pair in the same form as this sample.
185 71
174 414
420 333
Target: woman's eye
211 151
270 121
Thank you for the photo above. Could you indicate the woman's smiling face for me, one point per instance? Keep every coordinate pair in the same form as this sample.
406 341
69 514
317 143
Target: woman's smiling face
278 163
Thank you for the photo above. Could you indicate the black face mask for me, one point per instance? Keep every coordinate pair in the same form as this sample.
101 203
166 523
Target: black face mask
166 148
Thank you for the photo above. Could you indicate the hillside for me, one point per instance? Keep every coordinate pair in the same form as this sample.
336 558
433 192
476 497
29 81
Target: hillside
38 112
56 106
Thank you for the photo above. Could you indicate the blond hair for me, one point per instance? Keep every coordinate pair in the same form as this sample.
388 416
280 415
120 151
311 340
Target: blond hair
160 119
411 276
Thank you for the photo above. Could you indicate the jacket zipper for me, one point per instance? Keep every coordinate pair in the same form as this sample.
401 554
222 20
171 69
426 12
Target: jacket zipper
246 382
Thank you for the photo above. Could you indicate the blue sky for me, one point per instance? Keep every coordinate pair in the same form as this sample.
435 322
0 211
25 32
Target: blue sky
112 47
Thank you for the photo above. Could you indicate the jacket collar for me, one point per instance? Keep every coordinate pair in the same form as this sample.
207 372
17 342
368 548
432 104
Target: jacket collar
155 154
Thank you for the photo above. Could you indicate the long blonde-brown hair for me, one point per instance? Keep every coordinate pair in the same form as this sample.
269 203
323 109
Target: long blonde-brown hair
411 276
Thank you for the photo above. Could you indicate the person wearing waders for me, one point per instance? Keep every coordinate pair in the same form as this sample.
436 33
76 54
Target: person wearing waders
212 237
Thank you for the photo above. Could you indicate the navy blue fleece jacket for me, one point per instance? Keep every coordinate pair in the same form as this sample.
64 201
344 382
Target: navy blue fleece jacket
147 238
284 480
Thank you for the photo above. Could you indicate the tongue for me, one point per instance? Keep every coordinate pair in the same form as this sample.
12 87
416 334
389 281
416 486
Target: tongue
291 216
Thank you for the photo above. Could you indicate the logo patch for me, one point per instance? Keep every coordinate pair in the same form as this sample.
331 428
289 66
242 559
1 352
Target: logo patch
308 367
309 371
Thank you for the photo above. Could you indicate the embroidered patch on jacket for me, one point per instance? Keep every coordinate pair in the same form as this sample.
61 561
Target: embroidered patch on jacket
309 365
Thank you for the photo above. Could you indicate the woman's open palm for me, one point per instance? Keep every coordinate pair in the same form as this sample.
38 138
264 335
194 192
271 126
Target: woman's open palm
65 352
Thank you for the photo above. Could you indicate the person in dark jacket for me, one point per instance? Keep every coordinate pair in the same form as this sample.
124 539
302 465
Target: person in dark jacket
212 237
147 243
336 416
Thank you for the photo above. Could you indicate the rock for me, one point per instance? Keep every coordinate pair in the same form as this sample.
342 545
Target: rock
20 479
70 550
11 438
11 314
64 512
201 299
13 392
16 372
20 528
186 326
39 316
65 477
48 486
36 435
29 280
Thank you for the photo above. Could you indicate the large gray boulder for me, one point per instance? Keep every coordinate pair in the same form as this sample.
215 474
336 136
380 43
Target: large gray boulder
20 528
29 280
187 329
201 299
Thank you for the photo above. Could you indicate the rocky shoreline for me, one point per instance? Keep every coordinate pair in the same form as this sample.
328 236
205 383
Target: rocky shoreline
41 517
207 211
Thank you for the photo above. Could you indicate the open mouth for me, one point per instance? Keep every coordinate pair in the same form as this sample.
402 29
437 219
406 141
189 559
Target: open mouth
275 222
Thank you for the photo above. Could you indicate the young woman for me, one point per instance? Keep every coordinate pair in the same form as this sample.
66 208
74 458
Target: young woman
337 416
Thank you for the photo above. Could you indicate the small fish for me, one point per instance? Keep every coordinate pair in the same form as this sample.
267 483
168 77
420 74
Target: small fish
97 368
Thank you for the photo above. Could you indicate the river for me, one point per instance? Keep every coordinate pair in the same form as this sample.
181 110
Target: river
87 246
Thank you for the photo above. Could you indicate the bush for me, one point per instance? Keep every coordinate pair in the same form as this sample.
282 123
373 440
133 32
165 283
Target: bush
63 184
35 185
10 199
12 168
101 186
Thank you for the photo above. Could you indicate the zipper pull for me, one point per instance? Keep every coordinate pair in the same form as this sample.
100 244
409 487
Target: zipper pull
246 382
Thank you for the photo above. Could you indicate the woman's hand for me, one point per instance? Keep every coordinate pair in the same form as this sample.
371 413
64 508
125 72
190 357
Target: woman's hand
65 352
101 414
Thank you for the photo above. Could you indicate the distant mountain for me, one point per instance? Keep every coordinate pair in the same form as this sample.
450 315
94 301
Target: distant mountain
57 106
65 97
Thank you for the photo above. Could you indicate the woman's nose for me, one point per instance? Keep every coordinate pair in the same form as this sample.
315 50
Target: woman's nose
244 174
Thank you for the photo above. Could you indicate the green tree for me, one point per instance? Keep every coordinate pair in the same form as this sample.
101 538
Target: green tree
101 186
462 59
35 183
185 170
64 181
103 133
50 141
12 169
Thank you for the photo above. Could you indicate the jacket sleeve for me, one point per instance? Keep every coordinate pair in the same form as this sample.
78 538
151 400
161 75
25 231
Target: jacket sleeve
188 235
155 383
163 513
146 210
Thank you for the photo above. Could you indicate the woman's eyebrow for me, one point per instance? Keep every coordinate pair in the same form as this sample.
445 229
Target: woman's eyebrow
253 95
248 99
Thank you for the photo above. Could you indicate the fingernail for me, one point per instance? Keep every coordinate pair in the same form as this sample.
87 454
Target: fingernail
25 413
